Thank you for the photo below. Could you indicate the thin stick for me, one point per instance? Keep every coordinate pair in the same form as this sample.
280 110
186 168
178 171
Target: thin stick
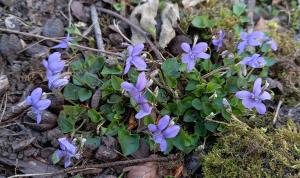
103 165
137 28
97 29
69 12
4 108
57 41
251 9
277 112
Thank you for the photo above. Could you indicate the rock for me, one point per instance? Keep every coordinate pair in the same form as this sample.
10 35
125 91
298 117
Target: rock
9 46
18 146
49 121
37 51
57 102
7 2
53 27
12 23
143 151
175 44
192 164
106 154
116 39
4 84
29 151
78 11
46 152
110 142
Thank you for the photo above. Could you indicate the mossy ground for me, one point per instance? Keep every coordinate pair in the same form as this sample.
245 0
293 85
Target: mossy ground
247 152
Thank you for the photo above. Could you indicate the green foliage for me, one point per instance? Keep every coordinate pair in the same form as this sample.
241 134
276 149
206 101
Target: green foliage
202 22
239 9
129 142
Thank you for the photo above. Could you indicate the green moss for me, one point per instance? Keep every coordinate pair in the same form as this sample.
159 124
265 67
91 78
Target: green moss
253 153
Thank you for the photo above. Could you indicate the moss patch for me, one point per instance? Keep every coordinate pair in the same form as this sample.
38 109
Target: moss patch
253 153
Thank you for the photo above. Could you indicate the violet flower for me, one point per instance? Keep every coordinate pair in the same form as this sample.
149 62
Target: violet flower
272 44
254 99
54 64
134 58
57 81
136 92
191 55
67 151
254 39
218 42
163 130
38 104
255 61
64 43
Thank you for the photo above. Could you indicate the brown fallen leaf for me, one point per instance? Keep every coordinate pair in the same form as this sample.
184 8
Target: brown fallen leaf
276 1
132 122
78 11
145 170
261 25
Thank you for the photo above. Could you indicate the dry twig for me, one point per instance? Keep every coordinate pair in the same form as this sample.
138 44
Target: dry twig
97 29
57 41
103 165
277 112
137 28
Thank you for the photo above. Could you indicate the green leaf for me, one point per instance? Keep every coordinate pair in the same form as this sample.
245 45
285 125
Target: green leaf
114 99
270 61
207 65
196 103
65 124
211 126
190 116
239 8
202 22
90 80
94 63
212 87
118 6
184 142
116 82
84 94
54 159
71 91
129 142
112 70
170 68
106 89
93 142
94 116
162 96
200 129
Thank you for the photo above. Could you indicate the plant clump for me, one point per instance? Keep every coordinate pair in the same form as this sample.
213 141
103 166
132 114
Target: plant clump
244 152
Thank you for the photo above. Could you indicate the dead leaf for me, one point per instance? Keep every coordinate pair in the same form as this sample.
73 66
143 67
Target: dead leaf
78 11
169 17
261 25
190 3
132 122
147 13
276 1
146 170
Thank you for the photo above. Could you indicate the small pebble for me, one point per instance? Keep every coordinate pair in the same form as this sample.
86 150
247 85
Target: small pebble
53 27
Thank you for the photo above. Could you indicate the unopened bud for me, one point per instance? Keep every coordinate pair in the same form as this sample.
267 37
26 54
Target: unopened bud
210 116
213 96
227 105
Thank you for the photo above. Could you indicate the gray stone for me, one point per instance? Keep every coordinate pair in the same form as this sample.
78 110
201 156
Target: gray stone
53 27
9 46
37 50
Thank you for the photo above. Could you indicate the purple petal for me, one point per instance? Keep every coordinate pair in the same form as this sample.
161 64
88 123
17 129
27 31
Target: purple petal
127 86
222 34
45 63
248 103
137 49
241 47
59 154
36 95
260 107
55 64
200 47
265 96
38 117
191 65
58 83
185 47
145 110
139 63
63 45
273 45
158 137
42 104
141 81
130 49
171 132
245 61
186 58
244 35
163 145
67 146
28 100
202 55
152 127
243 94
257 87
128 64
67 161
163 122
